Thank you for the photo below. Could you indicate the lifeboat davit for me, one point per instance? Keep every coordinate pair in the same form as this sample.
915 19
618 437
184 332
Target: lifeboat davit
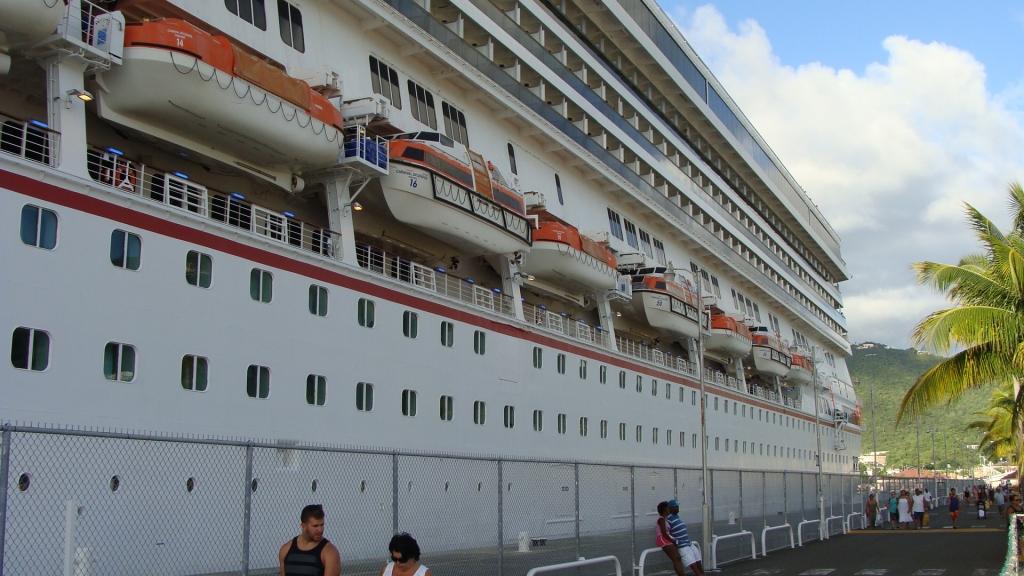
771 357
728 337
439 186
563 257
204 93
800 371
25 22
668 302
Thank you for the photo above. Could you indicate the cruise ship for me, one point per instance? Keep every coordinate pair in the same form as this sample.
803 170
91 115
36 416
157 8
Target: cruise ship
513 228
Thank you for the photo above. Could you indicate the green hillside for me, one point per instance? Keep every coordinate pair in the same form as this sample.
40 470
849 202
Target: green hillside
893 372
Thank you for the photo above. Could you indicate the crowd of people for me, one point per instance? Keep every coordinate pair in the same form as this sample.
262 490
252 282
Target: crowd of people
911 511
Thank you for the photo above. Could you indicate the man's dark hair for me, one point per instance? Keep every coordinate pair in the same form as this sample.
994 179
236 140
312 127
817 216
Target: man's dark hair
405 545
662 507
315 511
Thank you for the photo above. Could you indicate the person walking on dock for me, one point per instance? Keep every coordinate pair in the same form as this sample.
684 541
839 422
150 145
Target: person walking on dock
954 506
689 553
309 553
871 511
904 510
917 508
405 557
894 510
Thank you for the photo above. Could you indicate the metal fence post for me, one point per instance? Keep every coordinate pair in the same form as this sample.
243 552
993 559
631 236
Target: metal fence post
576 474
247 511
711 503
5 467
394 493
740 474
632 513
785 497
764 500
501 518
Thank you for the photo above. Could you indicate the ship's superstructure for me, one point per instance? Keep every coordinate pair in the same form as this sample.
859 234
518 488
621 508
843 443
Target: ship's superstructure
457 226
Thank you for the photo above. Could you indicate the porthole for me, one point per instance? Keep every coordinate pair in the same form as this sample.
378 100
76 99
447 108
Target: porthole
362 486
24 481
255 484
445 486
313 486
190 484
115 483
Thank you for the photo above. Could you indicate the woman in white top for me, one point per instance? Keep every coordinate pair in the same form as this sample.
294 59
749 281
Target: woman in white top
405 558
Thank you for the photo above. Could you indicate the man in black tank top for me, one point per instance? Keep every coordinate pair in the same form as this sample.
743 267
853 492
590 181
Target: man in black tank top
309 553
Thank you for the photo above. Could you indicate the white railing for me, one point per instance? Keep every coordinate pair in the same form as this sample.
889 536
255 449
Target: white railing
90 32
643 352
828 524
29 139
800 530
367 150
543 318
850 517
716 539
465 291
577 564
1012 565
764 537
174 189
640 567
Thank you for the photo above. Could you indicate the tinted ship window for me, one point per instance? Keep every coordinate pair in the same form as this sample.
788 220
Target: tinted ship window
290 19
252 11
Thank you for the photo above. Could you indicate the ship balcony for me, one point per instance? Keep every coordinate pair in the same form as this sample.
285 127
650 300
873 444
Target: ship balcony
562 324
29 139
176 190
378 261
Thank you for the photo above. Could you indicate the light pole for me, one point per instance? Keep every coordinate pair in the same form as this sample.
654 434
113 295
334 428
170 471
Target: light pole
935 480
917 427
705 533
817 428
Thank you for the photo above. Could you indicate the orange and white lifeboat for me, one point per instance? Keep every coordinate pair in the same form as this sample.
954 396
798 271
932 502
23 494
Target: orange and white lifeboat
728 337
771 357
667 301
204 93
448 191
563 257
800 370
25 22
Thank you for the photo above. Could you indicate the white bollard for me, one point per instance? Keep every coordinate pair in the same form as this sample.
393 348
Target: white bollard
70 518
524 542
82 562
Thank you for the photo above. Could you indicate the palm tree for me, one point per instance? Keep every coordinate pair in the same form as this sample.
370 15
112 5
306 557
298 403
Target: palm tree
998 441
985 323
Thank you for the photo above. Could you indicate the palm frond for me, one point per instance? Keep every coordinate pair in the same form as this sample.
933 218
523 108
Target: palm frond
974 367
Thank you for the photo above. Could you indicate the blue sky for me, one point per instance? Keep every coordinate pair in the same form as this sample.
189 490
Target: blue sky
850 34
891 115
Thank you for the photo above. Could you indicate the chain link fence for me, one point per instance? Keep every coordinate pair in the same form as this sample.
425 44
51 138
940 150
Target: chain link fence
81 503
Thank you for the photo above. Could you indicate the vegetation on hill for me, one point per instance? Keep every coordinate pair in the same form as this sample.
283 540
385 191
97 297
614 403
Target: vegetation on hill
893 372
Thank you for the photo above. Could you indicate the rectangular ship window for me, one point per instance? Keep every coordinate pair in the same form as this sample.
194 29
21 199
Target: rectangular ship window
385 82
422 103
455 124
290 19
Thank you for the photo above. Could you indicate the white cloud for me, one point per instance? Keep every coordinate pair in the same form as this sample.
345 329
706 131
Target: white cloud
889 154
